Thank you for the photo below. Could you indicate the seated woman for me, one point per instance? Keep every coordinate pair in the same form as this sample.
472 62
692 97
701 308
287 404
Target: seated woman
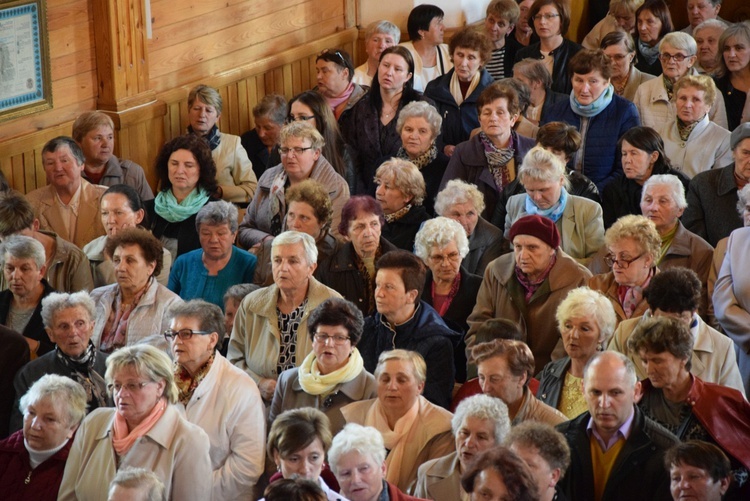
24 264
734 84
697 465
491 159
431 56
578 219
442 244
586 321
145 430
232 299
456 93
498 473
620 18
301 158
32 460
626 77
535 75
379 35
598 113
400 192
208 272
309 211
633 246
413 429
218 397
463 203
419 126
333 374
691 141
121 208
297 445
135 306
480 423
350 270
234 172
545 451
262 142
653 22
187 179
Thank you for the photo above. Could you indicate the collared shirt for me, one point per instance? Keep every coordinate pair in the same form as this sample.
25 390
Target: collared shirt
622 432
69 213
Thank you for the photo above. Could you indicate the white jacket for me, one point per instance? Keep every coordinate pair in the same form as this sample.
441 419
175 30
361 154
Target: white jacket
706 148
234 170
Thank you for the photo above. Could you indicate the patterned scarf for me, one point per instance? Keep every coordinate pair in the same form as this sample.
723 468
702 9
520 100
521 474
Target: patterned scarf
368 279
186 384
277 201
630 297
669 86
554 213
531 287
389 218
686 129
115 333
596 107
213 138
82 372
167 206
498 160
442 303
422 160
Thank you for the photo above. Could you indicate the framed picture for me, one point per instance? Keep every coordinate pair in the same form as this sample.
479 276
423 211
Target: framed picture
25 84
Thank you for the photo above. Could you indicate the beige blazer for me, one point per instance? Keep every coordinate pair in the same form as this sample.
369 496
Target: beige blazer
439 479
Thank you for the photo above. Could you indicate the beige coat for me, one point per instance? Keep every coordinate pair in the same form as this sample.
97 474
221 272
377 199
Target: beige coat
706 148
174 449
440 479
533 409
234 171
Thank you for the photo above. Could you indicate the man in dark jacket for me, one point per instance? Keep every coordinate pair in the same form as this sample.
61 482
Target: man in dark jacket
617 453
403 321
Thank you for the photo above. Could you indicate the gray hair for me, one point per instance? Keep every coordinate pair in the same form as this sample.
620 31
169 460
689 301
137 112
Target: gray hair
148 362
542 165
420 109
139 478
385 27
744 199
710 23
440 232
486 408
272 106
457 191
356 438
680 41
585 302
297 237
57 301
535 70
302 130
209 316
216 214
626 362
672 182
22 247
237 292
405 176
60 141
61 390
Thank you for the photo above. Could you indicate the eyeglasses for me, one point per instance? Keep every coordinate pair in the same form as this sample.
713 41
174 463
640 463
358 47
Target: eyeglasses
183 334
665 57
546 17
453 257
131 387
610 261
299 118
333 52
619 57
297 150
337 340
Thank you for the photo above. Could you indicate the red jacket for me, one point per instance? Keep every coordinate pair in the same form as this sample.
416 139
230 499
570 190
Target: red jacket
15 468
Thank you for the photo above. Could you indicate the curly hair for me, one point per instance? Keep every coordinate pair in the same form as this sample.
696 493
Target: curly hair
337 312
640 229
472 39
202 153
662 334
405 176
150 246
316 196
674 290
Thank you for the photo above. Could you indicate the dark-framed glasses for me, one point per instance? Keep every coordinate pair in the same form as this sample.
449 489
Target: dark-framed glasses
298 150
183 334
299 118
623 263
324 338
666 56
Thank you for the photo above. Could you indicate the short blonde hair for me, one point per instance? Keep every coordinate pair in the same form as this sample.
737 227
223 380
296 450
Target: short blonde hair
541 164
439 232
700 82
207 95
405 176
585 302
457 191
302 130
417 362
63 391
88 121
148 362
640 229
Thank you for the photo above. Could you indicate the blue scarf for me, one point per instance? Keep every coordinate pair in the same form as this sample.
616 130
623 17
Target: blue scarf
650 54
554 213
166 205
593 109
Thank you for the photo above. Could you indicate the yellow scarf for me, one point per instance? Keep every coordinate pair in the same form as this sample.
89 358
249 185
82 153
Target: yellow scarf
666 243
315 383
397 440
455 86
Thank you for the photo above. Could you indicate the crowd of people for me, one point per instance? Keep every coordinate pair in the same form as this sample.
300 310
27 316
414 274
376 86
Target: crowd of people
507 267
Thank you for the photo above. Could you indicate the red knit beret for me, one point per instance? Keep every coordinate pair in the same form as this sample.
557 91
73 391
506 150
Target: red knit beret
537 226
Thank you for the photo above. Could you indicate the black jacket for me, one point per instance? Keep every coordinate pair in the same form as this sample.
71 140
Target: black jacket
560 78
401 232
184 231
486 244
711 212
35 328
551 97
551 381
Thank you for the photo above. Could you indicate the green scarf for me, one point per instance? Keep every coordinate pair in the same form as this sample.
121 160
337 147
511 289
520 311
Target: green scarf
315 383
166 205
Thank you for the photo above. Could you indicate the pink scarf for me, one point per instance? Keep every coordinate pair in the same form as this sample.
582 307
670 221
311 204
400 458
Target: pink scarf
124 440
338 103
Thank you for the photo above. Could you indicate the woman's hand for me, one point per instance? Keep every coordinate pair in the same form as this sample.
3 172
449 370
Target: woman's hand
267 387
449 149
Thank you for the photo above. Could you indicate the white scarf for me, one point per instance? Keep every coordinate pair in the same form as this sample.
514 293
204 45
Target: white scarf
315 383
455 86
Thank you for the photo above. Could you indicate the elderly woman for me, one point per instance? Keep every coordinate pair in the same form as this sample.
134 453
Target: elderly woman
491 159
379 35
734 84
499 473
599 114
551 20
350 270
535 75
480 423
333 374
208 272
24 265
419 125
94 132
633 246
442 244
626 78
270 332
310 211
655 99
134 307
261 142
297 444
144 429
643 156
187 179
696 466
400 192
218 397
586 321
463 203
501 17
578 219
32 460
619 19
545 451
121 208
456 93
301 159
413 429
69 322
234 172
523 126
357 458
692 142
431 56
653 22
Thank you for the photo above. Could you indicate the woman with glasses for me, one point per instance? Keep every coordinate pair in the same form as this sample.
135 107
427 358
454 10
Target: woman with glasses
333 374
626 77
633 246
301 158
218 397
144 430
551 19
